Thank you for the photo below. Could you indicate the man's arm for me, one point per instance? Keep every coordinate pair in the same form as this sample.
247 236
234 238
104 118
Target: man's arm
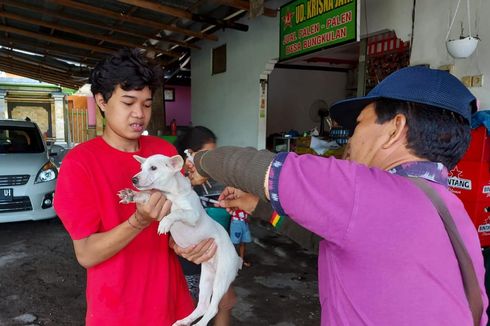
99 247
242 168
304 187
232 198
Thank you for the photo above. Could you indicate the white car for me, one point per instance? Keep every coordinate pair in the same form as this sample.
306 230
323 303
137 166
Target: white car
27 175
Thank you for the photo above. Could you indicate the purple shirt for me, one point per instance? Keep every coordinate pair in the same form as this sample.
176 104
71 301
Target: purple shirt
386 258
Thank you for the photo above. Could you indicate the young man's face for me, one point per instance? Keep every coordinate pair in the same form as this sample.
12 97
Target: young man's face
366 144
127 113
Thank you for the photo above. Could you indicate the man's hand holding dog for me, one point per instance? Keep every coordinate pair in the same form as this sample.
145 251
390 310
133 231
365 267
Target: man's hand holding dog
195 178
199 253
155 208
191 171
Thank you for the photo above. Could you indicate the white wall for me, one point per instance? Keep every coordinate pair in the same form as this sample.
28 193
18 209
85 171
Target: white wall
292 91
227 103
432 19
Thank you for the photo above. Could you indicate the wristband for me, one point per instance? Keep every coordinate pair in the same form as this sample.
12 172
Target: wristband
137 219
132 225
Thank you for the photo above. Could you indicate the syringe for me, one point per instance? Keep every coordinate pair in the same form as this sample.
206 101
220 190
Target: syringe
209 200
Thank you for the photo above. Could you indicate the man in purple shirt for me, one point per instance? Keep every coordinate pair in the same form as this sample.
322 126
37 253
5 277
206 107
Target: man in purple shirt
385 257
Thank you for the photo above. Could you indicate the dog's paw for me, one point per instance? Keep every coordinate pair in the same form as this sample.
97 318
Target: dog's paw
126 196
182 322
164 226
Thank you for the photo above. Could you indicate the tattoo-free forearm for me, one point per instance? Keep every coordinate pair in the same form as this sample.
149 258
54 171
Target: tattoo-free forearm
99 247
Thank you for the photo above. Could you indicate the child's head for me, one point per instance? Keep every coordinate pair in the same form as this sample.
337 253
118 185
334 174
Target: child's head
195 139
128 69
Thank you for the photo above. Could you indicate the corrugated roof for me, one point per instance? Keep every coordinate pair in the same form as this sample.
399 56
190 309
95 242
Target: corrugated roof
59 41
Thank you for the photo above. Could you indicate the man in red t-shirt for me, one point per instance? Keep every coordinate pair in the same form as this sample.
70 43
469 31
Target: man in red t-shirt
133 276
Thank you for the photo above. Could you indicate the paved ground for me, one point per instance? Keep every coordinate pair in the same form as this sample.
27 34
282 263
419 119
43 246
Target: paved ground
42 284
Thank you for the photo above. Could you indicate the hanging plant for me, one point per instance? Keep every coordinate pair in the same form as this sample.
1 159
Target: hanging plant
465 45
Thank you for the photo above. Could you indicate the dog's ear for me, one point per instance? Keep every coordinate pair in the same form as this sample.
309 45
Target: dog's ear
139 159
177 162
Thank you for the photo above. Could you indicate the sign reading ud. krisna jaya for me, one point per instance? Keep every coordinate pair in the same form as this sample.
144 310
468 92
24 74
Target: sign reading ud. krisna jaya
311 25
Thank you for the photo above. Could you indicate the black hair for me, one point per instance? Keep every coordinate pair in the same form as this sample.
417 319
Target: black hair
435 134
127 68
194 138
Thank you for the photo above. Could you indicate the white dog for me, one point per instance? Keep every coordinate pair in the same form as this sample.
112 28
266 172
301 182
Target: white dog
189 224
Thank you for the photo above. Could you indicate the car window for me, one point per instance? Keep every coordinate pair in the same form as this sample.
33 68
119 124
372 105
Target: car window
15 139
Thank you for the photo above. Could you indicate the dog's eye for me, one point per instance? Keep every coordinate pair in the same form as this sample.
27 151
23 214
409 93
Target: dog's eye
153 168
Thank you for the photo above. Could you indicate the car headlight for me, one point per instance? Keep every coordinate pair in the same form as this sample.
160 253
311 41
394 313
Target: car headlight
48 172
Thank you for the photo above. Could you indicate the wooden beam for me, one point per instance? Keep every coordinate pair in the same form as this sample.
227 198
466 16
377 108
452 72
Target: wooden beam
95 23
128 13
32 62
42 75
185 14
41 61
47 51
38 75
36 67
135 20
164 9
56 40
76 31
245 5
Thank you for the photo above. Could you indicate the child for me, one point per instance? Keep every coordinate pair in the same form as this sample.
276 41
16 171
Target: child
240 233
133 277
195 139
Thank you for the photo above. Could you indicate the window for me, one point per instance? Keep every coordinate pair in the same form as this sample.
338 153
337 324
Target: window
219 60
15 139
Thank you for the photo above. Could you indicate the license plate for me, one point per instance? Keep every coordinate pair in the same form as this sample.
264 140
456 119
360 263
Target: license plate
6 194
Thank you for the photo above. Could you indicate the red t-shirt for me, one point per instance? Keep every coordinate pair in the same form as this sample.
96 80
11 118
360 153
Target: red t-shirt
143 284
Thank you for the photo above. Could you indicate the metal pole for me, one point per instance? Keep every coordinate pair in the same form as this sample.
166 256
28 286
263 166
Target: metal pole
67 122
361 68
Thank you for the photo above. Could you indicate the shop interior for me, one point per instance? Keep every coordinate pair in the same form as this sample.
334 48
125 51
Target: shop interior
301 91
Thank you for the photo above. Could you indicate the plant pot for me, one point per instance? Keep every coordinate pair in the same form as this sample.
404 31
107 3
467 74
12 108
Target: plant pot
462 48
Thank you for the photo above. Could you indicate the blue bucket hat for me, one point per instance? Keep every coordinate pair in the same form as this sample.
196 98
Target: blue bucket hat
418 84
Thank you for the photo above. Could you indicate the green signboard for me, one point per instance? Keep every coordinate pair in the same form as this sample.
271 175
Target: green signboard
310 25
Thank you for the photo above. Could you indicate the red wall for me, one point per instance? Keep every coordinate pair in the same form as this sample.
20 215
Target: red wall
180 109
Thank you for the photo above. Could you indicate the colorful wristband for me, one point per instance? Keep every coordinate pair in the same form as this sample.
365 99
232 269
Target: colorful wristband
276 220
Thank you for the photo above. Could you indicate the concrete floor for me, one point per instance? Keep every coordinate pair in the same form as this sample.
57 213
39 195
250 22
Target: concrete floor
42 284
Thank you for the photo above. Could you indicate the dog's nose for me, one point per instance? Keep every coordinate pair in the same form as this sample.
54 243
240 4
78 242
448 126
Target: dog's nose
135 180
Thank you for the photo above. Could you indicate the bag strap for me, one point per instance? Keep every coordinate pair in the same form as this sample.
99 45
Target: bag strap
470 282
